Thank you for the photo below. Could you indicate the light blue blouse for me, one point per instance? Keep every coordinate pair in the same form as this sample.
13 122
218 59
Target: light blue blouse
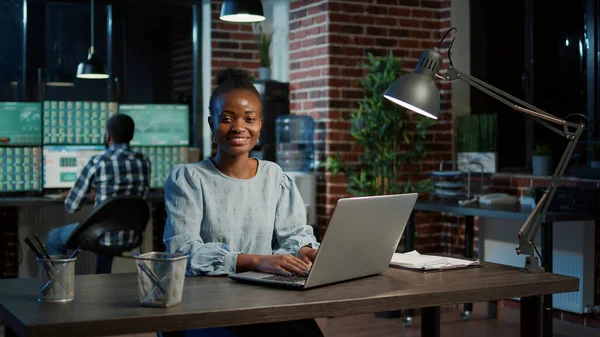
213 217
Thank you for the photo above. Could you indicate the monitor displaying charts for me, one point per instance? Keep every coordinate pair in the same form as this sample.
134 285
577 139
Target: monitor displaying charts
62 163
76 122
159 124
20 123
19 169
162 161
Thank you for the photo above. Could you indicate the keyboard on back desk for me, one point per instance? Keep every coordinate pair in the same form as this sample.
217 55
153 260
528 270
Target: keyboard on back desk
291 279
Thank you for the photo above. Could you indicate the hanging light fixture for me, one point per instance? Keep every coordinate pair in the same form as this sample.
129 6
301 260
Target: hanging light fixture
242 11
91 68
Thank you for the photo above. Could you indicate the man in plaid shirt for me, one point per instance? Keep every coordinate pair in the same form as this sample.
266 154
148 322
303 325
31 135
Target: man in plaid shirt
117 172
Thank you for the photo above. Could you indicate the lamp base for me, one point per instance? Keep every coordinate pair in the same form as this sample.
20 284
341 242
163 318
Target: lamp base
532 265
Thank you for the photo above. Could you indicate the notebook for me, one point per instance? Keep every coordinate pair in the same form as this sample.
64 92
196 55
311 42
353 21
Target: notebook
416 261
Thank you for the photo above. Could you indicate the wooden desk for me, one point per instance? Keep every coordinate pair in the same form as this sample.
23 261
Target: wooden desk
109 305
516 212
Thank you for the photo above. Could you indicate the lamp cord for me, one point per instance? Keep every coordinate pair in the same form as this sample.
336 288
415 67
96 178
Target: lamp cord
451 43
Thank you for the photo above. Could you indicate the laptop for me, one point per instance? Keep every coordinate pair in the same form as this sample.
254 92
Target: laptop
361 238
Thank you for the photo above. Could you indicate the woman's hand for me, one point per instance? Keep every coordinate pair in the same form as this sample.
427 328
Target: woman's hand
308 254
281 264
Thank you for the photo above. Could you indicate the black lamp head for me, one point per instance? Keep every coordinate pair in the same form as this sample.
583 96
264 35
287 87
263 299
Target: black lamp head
242 11
91 68
417 91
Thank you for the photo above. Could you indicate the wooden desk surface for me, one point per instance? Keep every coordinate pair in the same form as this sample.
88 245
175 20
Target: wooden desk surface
515 211
109 304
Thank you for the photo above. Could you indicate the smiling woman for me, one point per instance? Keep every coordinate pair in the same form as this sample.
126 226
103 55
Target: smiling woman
233 213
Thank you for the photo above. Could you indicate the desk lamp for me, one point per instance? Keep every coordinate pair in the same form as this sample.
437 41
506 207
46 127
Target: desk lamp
418 92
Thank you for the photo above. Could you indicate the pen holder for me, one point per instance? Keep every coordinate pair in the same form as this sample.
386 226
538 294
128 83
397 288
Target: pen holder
160 278
56 279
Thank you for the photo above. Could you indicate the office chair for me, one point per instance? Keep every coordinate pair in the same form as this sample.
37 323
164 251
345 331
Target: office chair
122 213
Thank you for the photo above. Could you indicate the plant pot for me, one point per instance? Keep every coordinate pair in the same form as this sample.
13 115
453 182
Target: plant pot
542 165
489 161
264 73
527 201
595 163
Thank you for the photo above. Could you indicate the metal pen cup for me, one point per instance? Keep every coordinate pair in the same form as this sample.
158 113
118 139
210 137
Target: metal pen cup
160 278
56 279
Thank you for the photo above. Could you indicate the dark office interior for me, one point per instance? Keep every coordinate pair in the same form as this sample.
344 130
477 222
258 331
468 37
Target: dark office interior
488 112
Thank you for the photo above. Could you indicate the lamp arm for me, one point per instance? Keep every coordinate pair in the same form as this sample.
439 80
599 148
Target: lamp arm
504 97
533 223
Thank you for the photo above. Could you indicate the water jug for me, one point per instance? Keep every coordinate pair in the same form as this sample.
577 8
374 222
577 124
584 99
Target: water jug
294 146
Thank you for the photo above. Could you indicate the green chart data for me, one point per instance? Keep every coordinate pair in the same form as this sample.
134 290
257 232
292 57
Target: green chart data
159 124
162 161
19 169
20 123
76 122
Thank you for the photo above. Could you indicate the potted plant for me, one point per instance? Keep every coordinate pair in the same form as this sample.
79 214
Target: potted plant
392 138
264 38
528 199
476 141
542 160
595 163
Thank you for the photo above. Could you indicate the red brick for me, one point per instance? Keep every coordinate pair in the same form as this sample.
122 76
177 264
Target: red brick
378 31
435 4
408 23
422 13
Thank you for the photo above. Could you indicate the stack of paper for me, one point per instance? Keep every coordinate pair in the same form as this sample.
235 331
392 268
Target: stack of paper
414 260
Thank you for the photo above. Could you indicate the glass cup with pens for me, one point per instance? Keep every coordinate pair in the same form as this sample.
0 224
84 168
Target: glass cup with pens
56 274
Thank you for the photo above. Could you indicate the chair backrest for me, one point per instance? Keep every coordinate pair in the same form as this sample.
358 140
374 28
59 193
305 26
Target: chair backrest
122 213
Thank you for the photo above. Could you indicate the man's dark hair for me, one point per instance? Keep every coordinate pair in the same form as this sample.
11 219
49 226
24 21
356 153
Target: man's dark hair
120 128
228 80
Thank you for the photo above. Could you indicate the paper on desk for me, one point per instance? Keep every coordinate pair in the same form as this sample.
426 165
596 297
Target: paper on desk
414 260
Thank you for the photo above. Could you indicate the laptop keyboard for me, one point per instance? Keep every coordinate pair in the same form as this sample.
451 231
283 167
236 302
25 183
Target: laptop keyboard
290 279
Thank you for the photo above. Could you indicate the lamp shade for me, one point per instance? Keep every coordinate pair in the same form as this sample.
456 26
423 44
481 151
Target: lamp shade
417 90
242 11
91 68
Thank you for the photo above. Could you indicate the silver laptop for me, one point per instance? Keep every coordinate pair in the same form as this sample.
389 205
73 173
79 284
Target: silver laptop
360 240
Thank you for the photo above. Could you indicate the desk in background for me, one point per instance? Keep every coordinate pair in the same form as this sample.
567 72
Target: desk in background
515 212
37 215
109 305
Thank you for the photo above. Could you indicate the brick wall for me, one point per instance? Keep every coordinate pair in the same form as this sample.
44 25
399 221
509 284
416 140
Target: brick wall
233 45
328 39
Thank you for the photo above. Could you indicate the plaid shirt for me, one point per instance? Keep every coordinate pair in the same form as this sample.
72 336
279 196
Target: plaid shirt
117 172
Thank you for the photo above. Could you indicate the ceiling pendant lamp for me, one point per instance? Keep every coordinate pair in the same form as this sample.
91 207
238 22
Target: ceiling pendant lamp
242 11
91 68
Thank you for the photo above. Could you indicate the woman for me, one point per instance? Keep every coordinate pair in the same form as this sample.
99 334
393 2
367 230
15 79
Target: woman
233 213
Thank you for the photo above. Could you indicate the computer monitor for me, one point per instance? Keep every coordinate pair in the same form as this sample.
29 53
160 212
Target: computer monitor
62 163
19 169
162 161
20 123
76 122
159 124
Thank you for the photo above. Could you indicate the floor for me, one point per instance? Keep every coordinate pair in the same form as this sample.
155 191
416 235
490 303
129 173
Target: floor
479 325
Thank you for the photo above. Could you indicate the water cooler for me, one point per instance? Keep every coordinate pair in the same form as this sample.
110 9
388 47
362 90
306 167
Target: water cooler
294 152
